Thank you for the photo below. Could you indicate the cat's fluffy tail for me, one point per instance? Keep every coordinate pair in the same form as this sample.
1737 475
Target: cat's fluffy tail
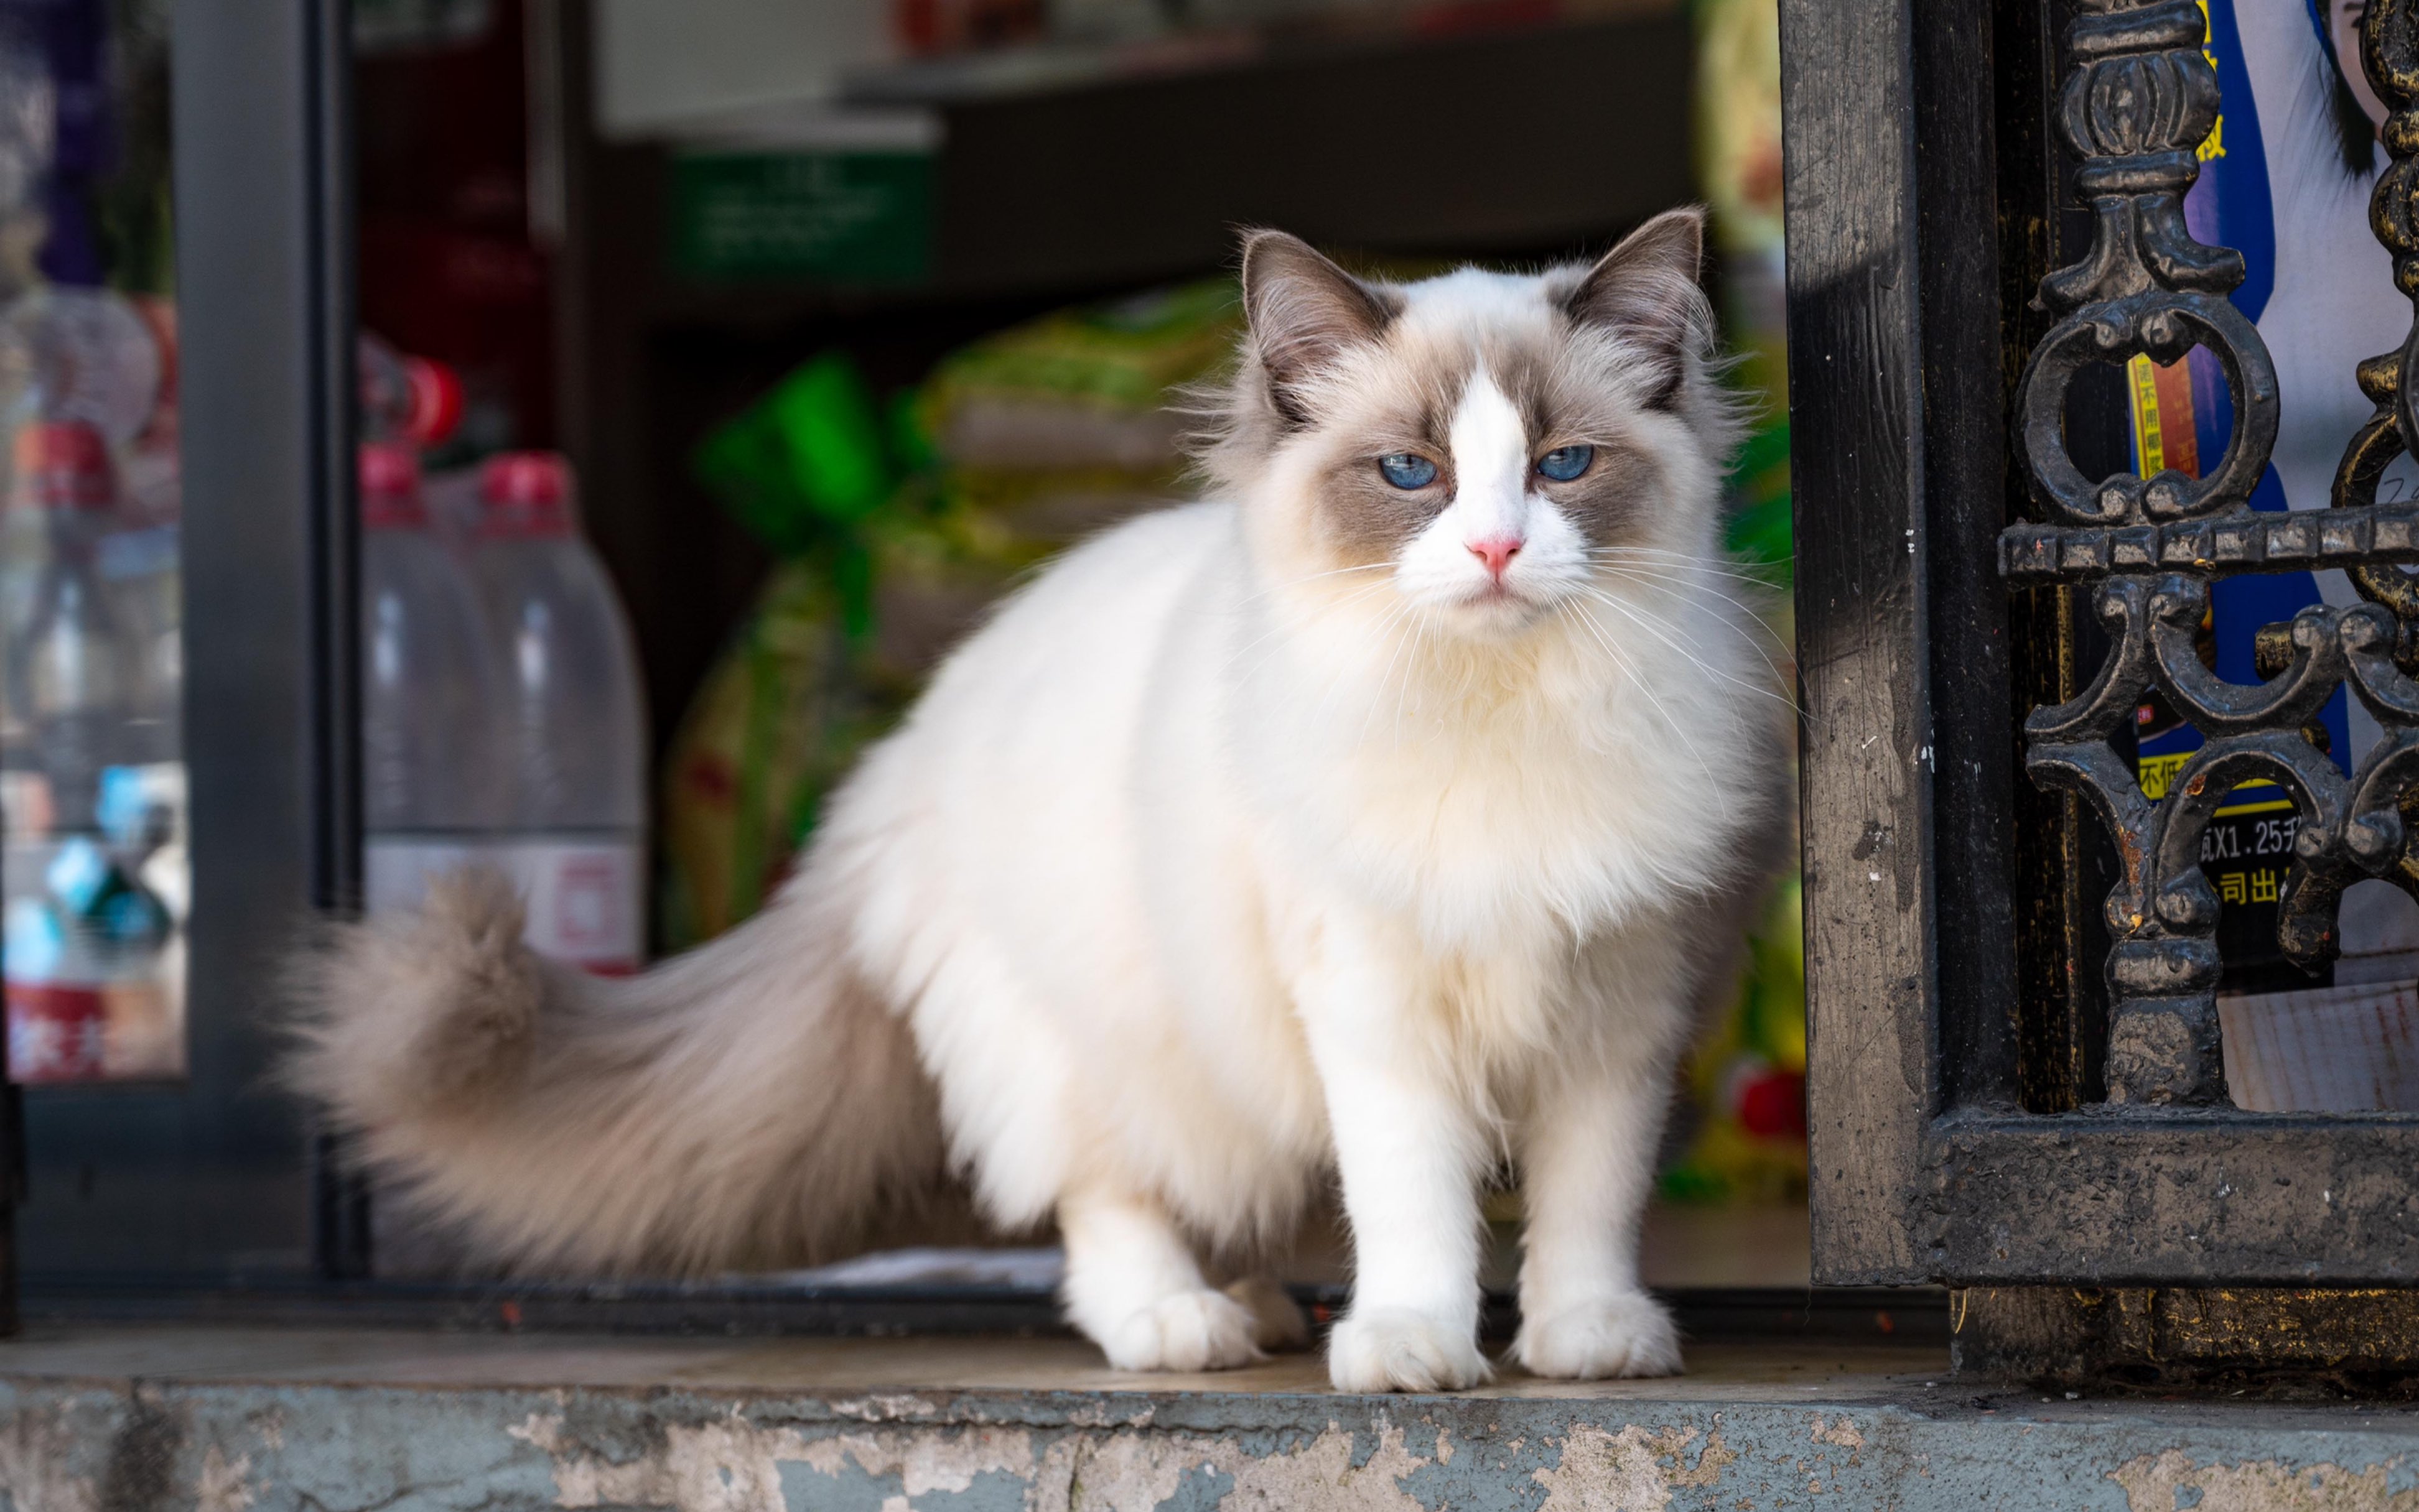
752 1103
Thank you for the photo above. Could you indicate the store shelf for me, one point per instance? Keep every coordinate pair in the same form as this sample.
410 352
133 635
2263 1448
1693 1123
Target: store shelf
1046 68
1049 66
1071 171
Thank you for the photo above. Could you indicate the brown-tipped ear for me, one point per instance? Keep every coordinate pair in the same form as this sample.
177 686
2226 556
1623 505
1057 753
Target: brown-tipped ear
1302 311
1646 290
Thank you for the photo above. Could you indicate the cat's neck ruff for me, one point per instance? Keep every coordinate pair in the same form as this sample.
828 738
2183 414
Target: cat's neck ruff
1548 785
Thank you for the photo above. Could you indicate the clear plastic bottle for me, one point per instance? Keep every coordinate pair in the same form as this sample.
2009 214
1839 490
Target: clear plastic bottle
435 787
576 732
417 402
85 372
58 477
73 688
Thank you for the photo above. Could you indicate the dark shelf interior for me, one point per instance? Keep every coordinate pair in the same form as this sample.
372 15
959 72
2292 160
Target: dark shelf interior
1518 146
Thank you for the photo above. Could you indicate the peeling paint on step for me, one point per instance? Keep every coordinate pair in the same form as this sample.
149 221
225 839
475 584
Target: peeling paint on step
225 1483
37 1463
1631 1471
1131 1473
2175 1481
733 1465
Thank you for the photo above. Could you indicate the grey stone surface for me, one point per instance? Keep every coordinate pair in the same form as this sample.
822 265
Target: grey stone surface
132 1420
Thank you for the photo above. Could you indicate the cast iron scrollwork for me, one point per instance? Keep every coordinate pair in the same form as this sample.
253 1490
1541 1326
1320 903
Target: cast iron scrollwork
2141 99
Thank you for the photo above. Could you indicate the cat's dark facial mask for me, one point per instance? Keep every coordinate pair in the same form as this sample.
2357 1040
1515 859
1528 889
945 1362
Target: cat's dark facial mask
1487 436
1573 451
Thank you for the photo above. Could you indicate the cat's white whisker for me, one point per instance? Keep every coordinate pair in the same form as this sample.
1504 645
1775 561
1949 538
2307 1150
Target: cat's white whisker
1279 627
1649 622
1313 577
1693 576
1647 556
1406 634
1419 645
1683 587
1643 685
1747 620
1780 679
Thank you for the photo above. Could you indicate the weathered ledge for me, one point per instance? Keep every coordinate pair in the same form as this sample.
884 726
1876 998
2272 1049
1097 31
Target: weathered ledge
258 1420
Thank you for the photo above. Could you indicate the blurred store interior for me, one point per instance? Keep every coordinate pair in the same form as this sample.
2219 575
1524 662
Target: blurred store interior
819 322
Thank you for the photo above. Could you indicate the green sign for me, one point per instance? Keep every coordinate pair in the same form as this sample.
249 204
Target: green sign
830 217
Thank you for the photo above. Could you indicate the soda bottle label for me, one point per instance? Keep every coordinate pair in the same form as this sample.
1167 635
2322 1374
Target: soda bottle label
397 869
94 976
57 1031
580 893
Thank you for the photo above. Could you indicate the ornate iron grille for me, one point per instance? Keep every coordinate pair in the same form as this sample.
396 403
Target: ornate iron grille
2140 99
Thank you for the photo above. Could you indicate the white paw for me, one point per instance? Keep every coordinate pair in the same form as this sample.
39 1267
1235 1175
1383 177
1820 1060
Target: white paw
1276 1322
1393 1349
1189 1331
1630 1335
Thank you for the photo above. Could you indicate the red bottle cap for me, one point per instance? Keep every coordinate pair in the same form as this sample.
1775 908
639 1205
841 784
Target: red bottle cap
436 401
62 465
524 495
391 488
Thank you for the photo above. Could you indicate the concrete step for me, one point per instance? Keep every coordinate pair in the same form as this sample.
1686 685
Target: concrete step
130 1419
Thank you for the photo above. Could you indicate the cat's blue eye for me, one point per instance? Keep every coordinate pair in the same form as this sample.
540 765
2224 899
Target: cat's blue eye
1565 463
1407 469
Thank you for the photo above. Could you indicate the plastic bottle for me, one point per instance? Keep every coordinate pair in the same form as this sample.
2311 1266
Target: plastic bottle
575 734
99 363
72 686
418 401
435 787
406 398
52 468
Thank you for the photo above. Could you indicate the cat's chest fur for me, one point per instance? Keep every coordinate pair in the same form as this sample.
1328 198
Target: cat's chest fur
1518 813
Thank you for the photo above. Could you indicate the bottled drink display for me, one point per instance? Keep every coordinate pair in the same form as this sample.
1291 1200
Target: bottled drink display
434 790
95 883
502 720
94 875
93 867
574 728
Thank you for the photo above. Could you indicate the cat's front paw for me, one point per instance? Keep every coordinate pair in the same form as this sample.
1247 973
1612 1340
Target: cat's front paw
1395 1348
1190 1331
1630 1335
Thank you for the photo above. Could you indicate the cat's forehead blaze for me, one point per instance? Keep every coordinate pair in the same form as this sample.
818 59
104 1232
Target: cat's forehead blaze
1563 384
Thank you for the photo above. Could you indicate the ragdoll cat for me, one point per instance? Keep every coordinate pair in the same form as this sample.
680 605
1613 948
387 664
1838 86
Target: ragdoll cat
1385 816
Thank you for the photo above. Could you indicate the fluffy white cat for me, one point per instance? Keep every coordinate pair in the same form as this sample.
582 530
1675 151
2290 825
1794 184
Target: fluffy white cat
1385 817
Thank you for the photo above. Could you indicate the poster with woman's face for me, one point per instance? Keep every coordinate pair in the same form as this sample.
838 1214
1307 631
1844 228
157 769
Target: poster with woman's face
2341 22
2286 179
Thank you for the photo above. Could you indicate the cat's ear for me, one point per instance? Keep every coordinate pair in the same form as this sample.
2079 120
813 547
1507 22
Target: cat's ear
1647 291
1302 311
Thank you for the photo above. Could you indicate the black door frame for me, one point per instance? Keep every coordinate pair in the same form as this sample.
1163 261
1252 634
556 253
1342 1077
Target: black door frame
209 1177
1925 201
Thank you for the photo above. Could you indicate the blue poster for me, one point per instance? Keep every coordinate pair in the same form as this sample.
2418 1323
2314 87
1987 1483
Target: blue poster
2286 179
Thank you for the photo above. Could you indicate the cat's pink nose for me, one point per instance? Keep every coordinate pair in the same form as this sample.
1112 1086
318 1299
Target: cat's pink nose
1497 553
